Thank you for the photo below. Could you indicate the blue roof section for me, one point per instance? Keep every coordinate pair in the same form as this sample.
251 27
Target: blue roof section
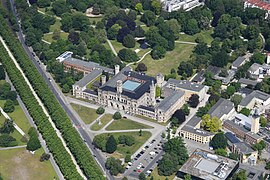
231 137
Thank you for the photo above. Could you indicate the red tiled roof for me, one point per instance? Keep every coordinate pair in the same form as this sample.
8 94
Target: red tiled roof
261 4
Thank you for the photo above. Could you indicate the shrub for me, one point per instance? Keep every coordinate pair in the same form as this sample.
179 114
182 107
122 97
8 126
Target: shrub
100 110
117 115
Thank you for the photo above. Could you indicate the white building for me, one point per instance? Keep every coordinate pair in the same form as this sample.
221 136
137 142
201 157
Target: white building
258 71
175 5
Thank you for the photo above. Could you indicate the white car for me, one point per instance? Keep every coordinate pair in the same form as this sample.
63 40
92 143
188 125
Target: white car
152 153
130 163
139 166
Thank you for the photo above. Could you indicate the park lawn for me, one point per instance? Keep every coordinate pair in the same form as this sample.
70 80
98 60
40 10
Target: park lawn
139 141
104 120
15 134
156 176
171 60
48 37
88 115
18 117
205 34
126 124
21 164
56 25
118 46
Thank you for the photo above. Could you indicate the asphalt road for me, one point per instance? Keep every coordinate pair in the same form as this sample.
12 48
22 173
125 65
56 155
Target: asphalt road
76 123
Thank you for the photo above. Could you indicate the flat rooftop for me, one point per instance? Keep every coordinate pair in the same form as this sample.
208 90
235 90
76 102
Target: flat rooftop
205 165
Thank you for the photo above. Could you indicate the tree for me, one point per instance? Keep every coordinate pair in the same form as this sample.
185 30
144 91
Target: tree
33 143
211 124
2 73
233 156
158 91
186 109
8 106
219 141
129 41
114 165
44 157
180 116
127 158
241 175
74 37
100 141
192 27
230 90
111 145
117 115
185 68
7 127
175 156
258 58
156 5
56 34
7 141
139 7
60 7
263 121
251 32
128 55
194 100
148 18
66 88
12 95
43 3
220 59
142 176
236 99
187 177
167 165
245 111
267 165
158 52
259 146
140 132
221 152
100 110
141 67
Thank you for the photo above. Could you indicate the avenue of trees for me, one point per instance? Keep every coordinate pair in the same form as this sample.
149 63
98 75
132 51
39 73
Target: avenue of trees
58 115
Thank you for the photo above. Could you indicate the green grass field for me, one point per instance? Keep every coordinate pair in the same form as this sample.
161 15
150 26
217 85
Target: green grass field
18 117
48 37
172 59
139 141
206 35
126 124
21 164
88 115
104 120
158 177
56 25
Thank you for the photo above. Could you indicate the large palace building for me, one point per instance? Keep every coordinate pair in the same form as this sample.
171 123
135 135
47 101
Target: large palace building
132 91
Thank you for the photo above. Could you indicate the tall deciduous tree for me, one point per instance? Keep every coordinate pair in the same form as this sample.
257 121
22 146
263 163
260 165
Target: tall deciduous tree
211 124
219 141
111 145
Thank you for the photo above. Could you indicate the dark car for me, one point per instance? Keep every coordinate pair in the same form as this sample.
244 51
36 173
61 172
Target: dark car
141 152
155 148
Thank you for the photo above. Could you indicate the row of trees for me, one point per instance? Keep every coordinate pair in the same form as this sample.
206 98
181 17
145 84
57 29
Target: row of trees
58 115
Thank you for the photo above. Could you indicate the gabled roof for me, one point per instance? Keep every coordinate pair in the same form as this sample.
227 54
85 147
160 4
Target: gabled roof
255 94
238 62
89 78
223 106
169 101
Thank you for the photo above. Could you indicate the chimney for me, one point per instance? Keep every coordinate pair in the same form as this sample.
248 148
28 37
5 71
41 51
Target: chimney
103 80
119 87
116 69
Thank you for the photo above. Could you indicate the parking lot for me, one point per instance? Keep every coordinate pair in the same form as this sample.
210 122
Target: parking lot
146 160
